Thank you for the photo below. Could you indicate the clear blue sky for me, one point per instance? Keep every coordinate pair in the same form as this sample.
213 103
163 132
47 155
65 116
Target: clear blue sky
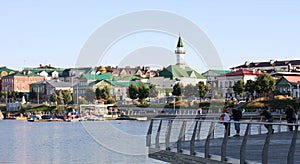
53 32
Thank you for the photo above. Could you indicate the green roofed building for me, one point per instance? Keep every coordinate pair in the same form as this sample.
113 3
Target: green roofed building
211 77
179 72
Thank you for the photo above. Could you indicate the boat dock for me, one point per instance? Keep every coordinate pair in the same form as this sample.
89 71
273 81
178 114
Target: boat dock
182 140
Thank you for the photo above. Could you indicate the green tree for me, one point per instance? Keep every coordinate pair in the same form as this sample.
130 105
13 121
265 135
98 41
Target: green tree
90 94
105 93
190 91
133 91
98 93
143 92
177 89
153 91
67 97
81 100
265 83
238 87
60 98
250 87
203 89
53 97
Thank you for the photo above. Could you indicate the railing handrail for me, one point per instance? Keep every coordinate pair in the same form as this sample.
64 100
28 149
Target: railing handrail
181 137
241 122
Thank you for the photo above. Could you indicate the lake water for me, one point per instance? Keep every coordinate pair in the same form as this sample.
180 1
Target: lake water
75 142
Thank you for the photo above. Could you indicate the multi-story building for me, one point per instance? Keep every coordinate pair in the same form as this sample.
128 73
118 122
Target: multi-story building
226 81
4 72
20 81
271 66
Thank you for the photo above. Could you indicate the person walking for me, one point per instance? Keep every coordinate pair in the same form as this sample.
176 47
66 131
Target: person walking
237 116
290 116
269 118
226 117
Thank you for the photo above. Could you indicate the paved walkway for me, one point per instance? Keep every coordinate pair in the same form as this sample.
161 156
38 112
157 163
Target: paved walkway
278 148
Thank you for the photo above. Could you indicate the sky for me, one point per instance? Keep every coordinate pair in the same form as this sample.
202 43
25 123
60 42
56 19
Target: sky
54 32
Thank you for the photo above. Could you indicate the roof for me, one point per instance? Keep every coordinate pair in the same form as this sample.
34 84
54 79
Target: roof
5 71
217 72
179 43
23 74
57 83
175 71
268 64
126 78
242 72
117 83
292 79
106 76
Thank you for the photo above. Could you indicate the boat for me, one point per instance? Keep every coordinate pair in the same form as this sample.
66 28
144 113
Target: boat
125 117
21 118
33 118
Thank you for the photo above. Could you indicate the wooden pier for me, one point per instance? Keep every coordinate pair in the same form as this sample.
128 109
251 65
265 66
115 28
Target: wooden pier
181 140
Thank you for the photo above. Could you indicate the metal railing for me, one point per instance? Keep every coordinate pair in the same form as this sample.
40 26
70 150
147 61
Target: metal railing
181 130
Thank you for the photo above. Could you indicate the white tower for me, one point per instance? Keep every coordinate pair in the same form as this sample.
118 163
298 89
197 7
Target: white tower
180 53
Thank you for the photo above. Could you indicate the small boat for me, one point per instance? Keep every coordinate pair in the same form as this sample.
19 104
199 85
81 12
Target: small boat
33 119
21 118
125 117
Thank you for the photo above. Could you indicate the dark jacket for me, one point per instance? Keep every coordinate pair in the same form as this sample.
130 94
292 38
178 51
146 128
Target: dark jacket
267 114
237 114
290 114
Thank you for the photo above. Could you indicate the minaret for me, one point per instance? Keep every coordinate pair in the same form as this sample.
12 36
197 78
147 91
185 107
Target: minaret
180 53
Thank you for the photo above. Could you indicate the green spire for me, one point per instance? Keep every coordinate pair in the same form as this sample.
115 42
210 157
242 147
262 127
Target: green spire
180 43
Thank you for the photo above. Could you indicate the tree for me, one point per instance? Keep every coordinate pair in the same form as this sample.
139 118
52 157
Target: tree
133 91
153 91
90 94
265 84
53 97
67 97
177 89
82 101
250 87
60 98
203 89
190 91
98 93
105 93
238 87
143 92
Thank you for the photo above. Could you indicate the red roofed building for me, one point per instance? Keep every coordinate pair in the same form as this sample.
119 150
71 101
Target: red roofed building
226 81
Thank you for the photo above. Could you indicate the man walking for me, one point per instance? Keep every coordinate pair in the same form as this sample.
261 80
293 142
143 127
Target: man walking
237 116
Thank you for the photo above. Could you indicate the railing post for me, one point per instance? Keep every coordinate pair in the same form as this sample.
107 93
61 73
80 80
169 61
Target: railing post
259 128
148 138
279 126
158 135
192 143
198 131
266 146
207 141
184 130
168 135
181 134
224 143
290 157
244 144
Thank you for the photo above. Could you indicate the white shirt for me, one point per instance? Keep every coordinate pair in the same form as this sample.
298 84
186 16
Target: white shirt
226 117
